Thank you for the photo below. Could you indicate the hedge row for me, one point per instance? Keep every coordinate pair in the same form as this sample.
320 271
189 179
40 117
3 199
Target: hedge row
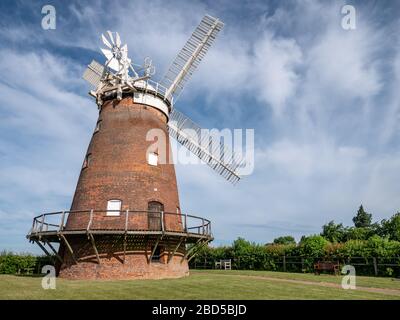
251 256
11 263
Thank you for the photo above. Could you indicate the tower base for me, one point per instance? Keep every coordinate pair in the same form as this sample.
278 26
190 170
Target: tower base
135 266
105 258
120 252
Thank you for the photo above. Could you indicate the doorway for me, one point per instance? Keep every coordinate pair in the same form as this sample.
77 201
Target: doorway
154 215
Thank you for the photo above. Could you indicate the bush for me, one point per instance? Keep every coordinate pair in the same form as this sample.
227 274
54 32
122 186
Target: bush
382 247
313 246
354 248
11 263
334 250
250 256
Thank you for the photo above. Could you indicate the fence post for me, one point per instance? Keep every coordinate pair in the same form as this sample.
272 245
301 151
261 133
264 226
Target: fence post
284 263
375 266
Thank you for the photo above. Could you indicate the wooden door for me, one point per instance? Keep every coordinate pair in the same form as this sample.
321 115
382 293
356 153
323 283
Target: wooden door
154 215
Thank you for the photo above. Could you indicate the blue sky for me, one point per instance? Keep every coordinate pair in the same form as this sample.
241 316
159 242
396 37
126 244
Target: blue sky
324 103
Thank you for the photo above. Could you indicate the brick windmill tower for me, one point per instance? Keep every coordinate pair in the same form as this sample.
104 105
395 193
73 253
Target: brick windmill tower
125 220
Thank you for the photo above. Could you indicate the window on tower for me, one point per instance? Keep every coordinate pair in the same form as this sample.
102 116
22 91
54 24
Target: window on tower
114 207
98 126
152 158
87 161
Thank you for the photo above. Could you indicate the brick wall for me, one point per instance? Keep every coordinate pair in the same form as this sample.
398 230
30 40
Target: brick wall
112 264
118 169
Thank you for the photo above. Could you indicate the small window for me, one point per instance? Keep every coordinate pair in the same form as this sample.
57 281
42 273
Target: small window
152 159
98 126
87 161
113 207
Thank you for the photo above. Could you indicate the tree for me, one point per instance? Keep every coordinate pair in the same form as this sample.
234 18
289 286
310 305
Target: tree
354 233
313 246
363 219
285 240
334 232
391 228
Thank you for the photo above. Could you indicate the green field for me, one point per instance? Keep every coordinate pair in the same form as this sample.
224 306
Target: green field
208 284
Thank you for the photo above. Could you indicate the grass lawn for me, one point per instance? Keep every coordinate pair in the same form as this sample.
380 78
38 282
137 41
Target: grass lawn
208 284
374 282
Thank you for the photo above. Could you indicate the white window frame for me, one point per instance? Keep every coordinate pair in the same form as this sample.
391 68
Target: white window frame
152 158
114 204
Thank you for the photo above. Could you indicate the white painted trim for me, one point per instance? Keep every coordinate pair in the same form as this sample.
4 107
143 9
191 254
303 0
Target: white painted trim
151 100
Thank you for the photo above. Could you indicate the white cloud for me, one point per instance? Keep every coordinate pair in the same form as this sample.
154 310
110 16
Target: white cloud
312 160
274 67
344 63
44 131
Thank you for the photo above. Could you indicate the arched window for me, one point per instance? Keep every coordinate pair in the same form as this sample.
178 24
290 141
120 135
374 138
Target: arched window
154 209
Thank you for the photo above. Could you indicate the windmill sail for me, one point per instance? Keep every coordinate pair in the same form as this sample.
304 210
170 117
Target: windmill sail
93 73
190 56
204 145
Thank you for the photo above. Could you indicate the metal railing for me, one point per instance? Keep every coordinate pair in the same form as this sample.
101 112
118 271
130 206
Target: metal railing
120 220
